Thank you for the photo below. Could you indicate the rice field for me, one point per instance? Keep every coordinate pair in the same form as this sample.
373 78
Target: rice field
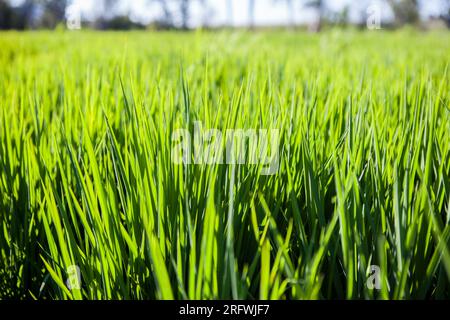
89 188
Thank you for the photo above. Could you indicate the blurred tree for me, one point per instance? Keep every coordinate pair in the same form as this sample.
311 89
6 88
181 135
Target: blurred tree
320 7
166 21
184 10
119 22
105 13
53 13
6 13
342 17
169 6
107 9
32 14
405 11
446 12
16 17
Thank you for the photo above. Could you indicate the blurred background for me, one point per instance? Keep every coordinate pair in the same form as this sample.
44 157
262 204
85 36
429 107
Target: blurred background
313 15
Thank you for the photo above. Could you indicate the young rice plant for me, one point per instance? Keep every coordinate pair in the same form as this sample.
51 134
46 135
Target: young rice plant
87 177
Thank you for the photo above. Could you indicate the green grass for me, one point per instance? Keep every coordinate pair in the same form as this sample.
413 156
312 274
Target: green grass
86 176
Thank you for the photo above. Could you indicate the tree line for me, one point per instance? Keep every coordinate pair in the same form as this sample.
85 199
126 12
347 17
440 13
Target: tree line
35 14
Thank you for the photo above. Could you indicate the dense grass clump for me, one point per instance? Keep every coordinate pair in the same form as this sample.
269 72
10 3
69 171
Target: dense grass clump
86 176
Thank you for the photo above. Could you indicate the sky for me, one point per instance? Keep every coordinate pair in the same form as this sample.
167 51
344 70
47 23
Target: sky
267 12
